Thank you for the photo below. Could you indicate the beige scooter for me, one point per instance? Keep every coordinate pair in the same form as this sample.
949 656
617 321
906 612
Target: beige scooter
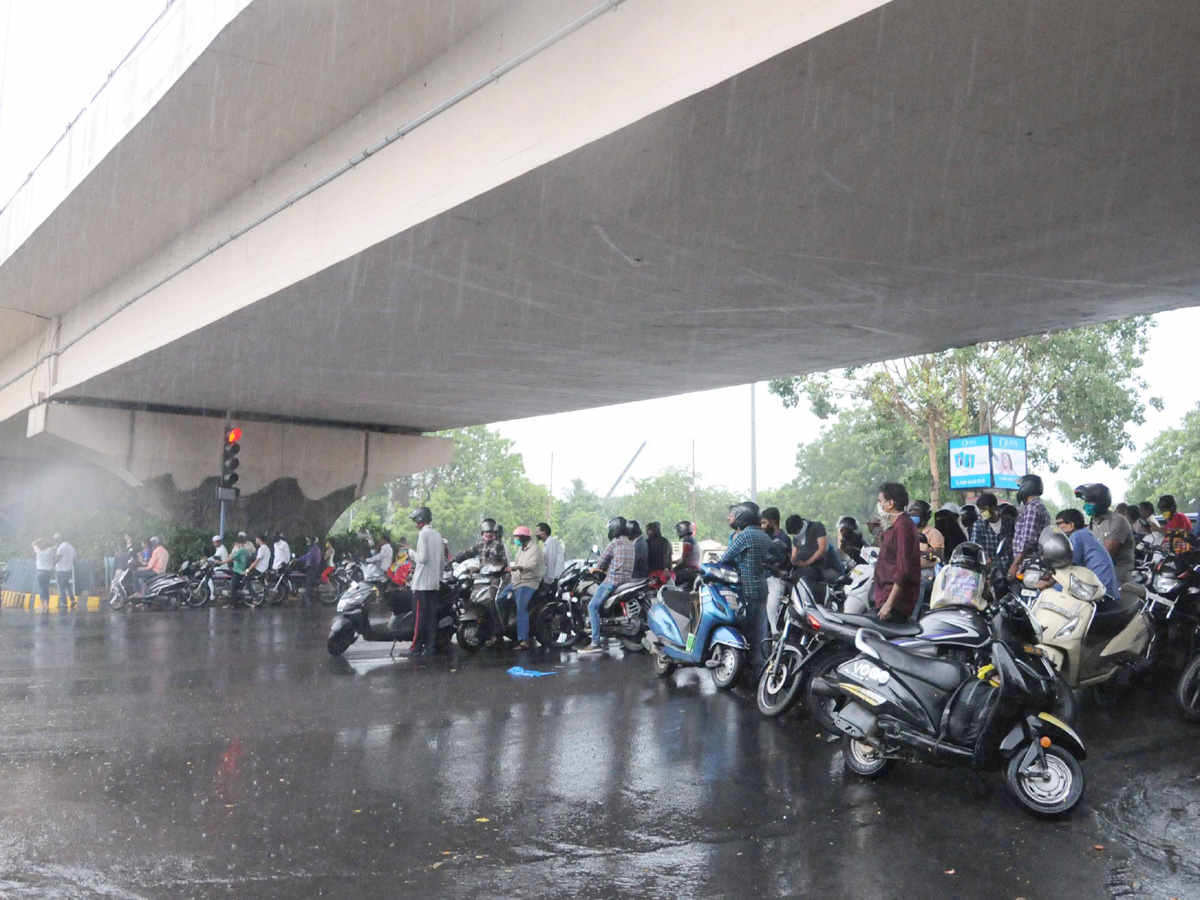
1090 638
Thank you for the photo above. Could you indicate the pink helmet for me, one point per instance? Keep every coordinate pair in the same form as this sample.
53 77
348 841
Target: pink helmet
522 531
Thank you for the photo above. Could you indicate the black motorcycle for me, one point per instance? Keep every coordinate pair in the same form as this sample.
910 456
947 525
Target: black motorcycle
354 619
555 625
1173 601
279 584
891 704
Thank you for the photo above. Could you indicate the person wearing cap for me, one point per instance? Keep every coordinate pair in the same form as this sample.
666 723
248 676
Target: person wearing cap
527 571
64 570
219 554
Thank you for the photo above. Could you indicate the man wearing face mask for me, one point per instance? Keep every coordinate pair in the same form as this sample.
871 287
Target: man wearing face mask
986 532
898 569
1112 530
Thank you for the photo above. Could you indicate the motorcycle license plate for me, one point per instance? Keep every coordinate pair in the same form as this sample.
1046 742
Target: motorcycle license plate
1029 592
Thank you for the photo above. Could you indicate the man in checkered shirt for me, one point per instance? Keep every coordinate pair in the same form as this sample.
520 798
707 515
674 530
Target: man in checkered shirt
617 563
1034 517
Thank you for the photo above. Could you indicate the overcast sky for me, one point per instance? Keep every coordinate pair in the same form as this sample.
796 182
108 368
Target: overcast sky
54 54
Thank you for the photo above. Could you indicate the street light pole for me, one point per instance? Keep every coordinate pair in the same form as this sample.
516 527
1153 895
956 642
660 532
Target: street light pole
753 450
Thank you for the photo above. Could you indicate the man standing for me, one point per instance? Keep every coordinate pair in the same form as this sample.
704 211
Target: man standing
658 553
1034 517
1087 550
986 532
779 562
64 571
44 560
898 569
616 562
426 579
552 553
1112 530
748 552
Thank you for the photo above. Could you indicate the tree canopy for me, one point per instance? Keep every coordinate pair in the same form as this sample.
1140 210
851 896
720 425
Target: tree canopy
1170 465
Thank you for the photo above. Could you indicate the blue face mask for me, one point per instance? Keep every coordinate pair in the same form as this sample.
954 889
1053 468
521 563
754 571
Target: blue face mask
916 520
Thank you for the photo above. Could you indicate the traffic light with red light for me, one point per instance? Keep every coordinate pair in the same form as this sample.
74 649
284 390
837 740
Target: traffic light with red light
229 457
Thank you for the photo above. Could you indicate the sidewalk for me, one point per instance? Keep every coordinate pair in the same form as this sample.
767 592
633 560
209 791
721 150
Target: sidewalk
19 600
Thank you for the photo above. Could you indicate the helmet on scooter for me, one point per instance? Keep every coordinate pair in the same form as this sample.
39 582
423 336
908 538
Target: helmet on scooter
1096 494
633 529
744 514
421 515
684 528
1055 548
487 525
1028 486
969 555
617 527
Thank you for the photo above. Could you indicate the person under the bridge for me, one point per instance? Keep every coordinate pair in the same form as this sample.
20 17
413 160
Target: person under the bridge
313 562
748 552
658 553
1034 517
688 567
219 554
641 551
281 552
616 562
1088 551
489 549
898 568
429 557
527 571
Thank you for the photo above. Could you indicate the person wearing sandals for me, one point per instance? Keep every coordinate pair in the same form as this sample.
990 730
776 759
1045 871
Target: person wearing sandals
527 571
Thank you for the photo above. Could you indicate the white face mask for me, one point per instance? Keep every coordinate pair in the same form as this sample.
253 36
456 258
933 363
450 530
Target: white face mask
881 512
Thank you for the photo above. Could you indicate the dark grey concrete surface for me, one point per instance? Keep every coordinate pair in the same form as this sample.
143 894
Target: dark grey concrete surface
222 753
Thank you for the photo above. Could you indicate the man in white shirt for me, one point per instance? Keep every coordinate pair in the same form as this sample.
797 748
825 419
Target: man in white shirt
64 570
220 554
283 553
262 557
426 579
552 553
375 566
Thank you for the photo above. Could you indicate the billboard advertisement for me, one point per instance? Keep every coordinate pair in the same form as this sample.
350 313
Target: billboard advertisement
970 462
1008 460
983 461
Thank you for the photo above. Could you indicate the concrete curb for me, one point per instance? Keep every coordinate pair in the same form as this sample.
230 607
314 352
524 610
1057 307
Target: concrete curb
33 603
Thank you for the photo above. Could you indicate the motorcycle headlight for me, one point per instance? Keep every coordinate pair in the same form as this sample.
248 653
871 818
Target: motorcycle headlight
1068 629
1081 590
1164 584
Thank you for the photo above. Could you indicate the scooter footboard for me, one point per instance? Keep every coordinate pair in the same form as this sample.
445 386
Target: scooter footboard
730 637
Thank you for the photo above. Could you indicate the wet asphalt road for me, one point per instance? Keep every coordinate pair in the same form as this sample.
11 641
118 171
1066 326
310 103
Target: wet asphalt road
222 753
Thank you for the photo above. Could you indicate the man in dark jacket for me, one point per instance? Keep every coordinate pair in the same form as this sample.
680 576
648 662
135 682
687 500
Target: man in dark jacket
898 570
658 552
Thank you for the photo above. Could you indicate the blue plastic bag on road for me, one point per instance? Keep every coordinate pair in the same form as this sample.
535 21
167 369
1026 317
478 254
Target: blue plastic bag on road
518 672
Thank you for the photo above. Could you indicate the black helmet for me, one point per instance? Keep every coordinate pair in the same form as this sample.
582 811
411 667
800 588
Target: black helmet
421 515
1029 486
921 509
1055 548
487 525
969 555
633 529
1097 494
684 528
617 527
745 514
847 522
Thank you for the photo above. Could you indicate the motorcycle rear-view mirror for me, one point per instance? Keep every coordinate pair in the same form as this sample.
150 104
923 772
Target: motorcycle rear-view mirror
595 548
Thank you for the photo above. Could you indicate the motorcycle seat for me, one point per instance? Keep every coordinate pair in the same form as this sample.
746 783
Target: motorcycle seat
941 673
1114 613
889 630
630 587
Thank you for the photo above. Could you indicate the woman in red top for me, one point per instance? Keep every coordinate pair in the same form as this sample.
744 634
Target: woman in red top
1175 525
898 569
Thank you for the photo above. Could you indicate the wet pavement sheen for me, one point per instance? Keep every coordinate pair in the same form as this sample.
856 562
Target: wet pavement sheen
223 753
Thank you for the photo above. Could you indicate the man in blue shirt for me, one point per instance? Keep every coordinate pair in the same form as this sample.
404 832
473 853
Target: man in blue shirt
748 551
1089 552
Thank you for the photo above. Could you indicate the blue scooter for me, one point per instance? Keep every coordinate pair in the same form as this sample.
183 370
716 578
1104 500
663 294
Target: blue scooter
700 629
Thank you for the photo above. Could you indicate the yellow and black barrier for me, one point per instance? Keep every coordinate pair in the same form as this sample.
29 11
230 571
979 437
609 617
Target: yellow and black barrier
32 602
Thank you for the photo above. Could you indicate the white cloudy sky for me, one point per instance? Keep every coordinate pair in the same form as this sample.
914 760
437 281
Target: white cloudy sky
54 54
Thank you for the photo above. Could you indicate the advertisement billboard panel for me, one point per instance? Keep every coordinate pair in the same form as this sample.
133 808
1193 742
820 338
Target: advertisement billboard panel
1008 460
970 462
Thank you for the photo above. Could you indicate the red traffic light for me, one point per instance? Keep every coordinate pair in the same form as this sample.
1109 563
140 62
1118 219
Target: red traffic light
234 435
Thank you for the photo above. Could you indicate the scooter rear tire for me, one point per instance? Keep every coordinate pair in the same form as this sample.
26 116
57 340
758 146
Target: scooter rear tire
632 645
1187 692
815 702
473 634
863 760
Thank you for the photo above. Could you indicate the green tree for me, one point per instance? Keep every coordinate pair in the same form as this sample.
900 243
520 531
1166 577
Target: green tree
667 498
1170 465
579 520
1079 387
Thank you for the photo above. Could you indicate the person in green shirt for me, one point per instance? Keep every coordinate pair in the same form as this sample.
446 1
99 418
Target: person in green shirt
239 561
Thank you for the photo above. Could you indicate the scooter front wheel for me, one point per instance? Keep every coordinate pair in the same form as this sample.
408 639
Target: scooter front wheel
339 641
116 599
779 686
1047 789
728 670
472 634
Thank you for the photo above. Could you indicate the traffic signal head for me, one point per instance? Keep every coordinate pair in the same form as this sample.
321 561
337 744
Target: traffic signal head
229 457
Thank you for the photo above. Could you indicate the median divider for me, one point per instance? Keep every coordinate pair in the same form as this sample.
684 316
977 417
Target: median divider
33 603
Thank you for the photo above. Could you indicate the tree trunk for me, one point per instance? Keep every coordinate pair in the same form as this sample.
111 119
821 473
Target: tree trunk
935 473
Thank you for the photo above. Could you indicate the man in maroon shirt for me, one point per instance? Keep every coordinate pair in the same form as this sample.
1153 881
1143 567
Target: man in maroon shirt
898 570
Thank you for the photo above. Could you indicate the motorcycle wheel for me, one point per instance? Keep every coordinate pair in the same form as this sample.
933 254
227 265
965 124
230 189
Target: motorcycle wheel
731 662
553 629
1187 692
863 760
473 634
116 600
197 595
1051 793
276 594
779 688
632 645
662 665
816 704
253 594
327 594
174 599
340 641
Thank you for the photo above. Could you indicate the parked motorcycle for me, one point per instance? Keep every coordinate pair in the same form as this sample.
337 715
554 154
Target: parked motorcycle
354 616
700 628
476 615
279 584
168 590
891 704
1173 603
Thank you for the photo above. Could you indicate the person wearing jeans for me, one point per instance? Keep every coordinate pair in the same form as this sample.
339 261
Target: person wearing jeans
64 571
44 554
527 569
617 564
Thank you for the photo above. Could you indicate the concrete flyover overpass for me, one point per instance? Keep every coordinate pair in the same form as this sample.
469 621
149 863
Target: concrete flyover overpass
360 222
